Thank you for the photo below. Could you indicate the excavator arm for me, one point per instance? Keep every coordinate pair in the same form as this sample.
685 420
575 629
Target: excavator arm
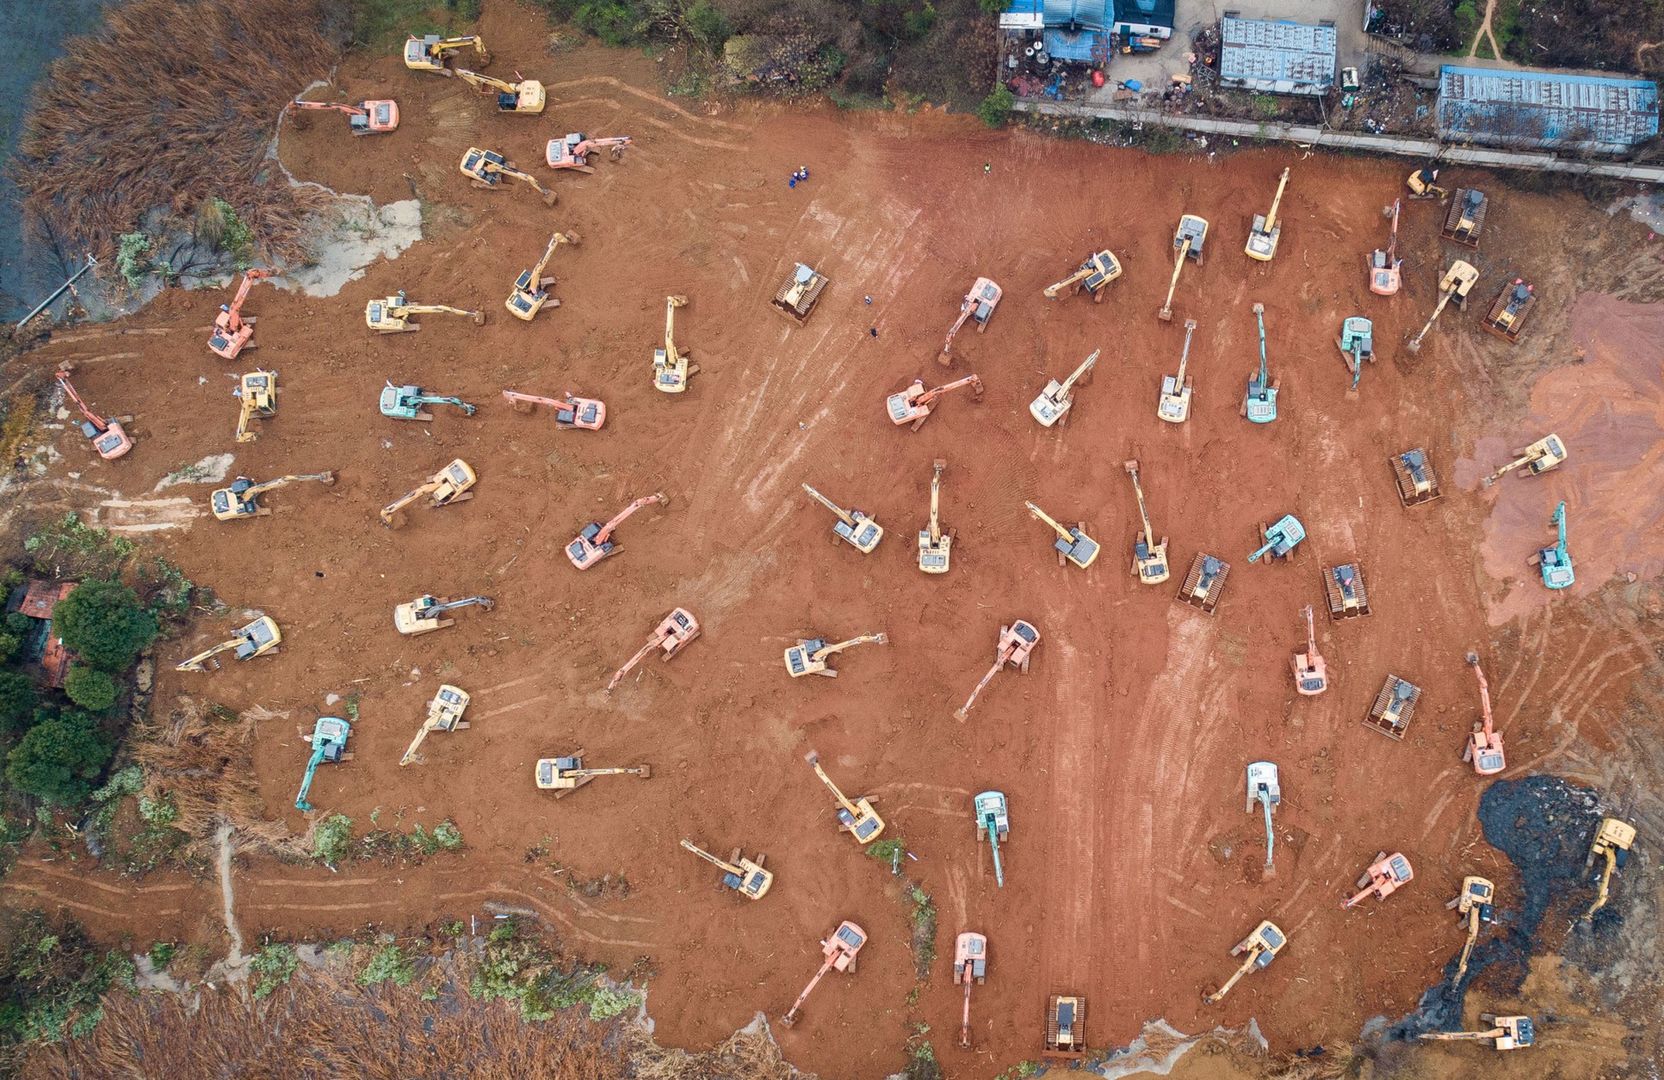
555 241
623 515
1179 256
1062 533
1053 291
392 509
929 396
292 478
1138 491
436 309
1276 201
485 82
843 515
199 662
332 106
95 420
671 303
936 504
720 864
814 761
864 639
965 310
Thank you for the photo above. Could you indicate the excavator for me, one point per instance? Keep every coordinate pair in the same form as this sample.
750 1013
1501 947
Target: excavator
570 411
1016 642
1205 583
1054 402
839 949
329 743
1457 282
1356 344
256 639
391 315
1484 745
1513 305
444 714
1149 559
405 403
674 633
448 485
1099 269
523 96
258 393
531 288
1259 405
1555 563
745 876
1414 475
811 656
594 542
1311 671
993 819
1612 843
241 500
796 299
574 151
564 775
1267 230
108 437
671 369
1476 906
1384 267
935 544
1257 950
1174 405
425 614
1065 1027
1385 876
1188 241
486 168
1505 1033
978 306
433 53
1263 788
1343 586
1394 704
1546 453
912 405
970 966
366 118
856 817
1421 184
1072 544
1466 218
1281 538
853 526
232 333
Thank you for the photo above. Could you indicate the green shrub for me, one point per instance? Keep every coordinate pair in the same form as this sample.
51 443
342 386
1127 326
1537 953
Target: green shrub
9 644
1265 106
133 259
447 835
615 22
993 7
58 758
104 623
53 978
388 963
218 225
161 954
996 107
272 966
90 688
708 25
17 701
466 10
332 840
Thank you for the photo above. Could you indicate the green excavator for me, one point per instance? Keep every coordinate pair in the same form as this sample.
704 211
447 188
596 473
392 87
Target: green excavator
329 743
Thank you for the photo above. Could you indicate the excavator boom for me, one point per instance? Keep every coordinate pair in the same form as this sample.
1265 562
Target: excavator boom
623 515
936 502
1052 292
864 639
1075 375
391 510
814 761
843 515
485 82
1276 201
1138 490
1179 255
671 303
292 478
1062 533
720 864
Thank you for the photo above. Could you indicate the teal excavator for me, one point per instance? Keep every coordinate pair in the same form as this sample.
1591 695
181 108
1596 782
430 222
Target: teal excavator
405 403
329 743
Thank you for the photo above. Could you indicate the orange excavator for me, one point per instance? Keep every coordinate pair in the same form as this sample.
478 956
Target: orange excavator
912 405
486 168
366 118
673 634
1015 644
978 306
231 331
1484 745
594 542
1311 672
839 949
575 150
571 411
106 433
970 965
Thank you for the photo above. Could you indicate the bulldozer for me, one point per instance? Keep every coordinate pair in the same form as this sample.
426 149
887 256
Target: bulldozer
1259 404
1174 405
671 369
1281 538
391 315
1054 402
853 526
1385 876
594 541
405 403
970 966
232 333
329 744
433 53
1513 305
1343 586
108 437
1257 950
1072 544
487 168
745 876
1385 275
1098 270
1505 1033
912 405
257 392
935 543
1188 242
523 96
1476 906
564 775
1414 476
1015 644
811 656
1457 282
1546 453
1205 583
1555 563
1421 184
1484 745
840 950
856 817
1149 559
796 299
256 639
993 819
1311 671
425 614
1357 345
241 500
576 150
674 633
531 288
1465 219
1612 843
1393 706
571 411
447 486
444 714
1267 230
1264 788
1065 1027
366 118
978 307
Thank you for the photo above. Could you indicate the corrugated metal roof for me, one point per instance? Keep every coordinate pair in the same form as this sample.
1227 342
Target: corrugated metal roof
1277 57
1079 14
1085 47
1546 107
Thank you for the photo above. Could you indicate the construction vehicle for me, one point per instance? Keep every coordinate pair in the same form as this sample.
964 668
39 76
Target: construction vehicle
993 818
1281 538
570 411
1099 269
433 53
574 151
107 435
853 526
445 487
256 639
1072 544
1267 230
1421 184
857 817
405 403
329 743
745 876
1311 671
531 288
1393 706
486 168
1546 453
1555 563
674 633
1476 906
242 499
257 391
1484 745
366 118
1349 87
1149 559
1413 473
524 96
810 656
970 966
1505 1033
1385 876
1174 405
1259 405
1512 307
1612 843
913 404
797 298
839 949
1188 241
1055 401
425 614
1384 267
594 542
1015 644
1205 583
564 775
1455 285
1356 344
1264 788
444 714
1465 219
978 306
935 544
1065 1027
391 315
232 333
1257 950
1343 586
671 370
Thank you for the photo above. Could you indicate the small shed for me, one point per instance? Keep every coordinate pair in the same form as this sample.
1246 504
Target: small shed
1276 57
41 644
1543 109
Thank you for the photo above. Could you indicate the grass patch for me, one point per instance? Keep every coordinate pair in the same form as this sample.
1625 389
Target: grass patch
520 968
332 839
389 963
923 917
53 980
885 851
271 967
383 25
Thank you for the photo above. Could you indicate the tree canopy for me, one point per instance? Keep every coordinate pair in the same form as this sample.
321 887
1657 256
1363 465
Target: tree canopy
104 623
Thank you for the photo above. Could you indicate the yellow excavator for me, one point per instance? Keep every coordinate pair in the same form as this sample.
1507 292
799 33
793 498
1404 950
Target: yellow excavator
433 53
745 876
1267 230
564 775
935 544
1476 906
242 499
524 96
1072 544
1457 282
1612 843
1257 950
531 288
1422 184
391 315
1505 1033
858 816
448 485
444 714
811 656
1149 559
258 392
427 612
1538 458
1099 269
1188 241
671 370
256 639
486 168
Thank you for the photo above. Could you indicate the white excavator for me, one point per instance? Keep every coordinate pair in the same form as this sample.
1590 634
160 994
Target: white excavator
1189 240
523 96
1174 406
258 638
671 369
391 315
1099 269
425 614
1054 402
812 656
488 168
935 543
241 500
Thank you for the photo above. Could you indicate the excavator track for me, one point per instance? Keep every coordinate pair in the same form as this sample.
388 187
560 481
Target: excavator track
1377 717
1339 608
1192 580
1453 220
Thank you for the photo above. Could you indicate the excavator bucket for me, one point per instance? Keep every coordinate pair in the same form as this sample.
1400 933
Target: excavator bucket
1344 587
1417 480
1205 583
1393 707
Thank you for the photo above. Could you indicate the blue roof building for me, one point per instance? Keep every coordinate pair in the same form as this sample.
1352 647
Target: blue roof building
1545 109
1083 31
1276 57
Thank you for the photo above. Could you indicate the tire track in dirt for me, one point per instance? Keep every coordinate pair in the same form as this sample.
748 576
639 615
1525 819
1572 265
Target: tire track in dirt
651 98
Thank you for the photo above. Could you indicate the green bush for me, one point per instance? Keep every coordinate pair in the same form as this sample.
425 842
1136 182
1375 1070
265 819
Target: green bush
17 701
104 622
996 107
389 963
133 259
9 644
466 10
708 25
993 7
58 758
272 966
332 840
615 22
161 954
90 688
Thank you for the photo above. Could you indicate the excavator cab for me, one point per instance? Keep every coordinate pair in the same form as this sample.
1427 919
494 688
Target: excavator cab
431 52
796 299
329 746
1385 876
423 615
1281 538
1393 706
256 639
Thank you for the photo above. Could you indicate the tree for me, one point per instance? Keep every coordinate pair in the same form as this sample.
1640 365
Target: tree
17 700
996 106
59 758
90 688
104 622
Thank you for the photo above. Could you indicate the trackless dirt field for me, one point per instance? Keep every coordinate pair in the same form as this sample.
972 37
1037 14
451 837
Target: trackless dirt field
1132 867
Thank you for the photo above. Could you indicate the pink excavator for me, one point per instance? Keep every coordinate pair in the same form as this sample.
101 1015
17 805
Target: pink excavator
595 542
571 411
675 633
1015 644
913 404
840 950
231 331
1484 745
970 966
1385 876
1311 673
